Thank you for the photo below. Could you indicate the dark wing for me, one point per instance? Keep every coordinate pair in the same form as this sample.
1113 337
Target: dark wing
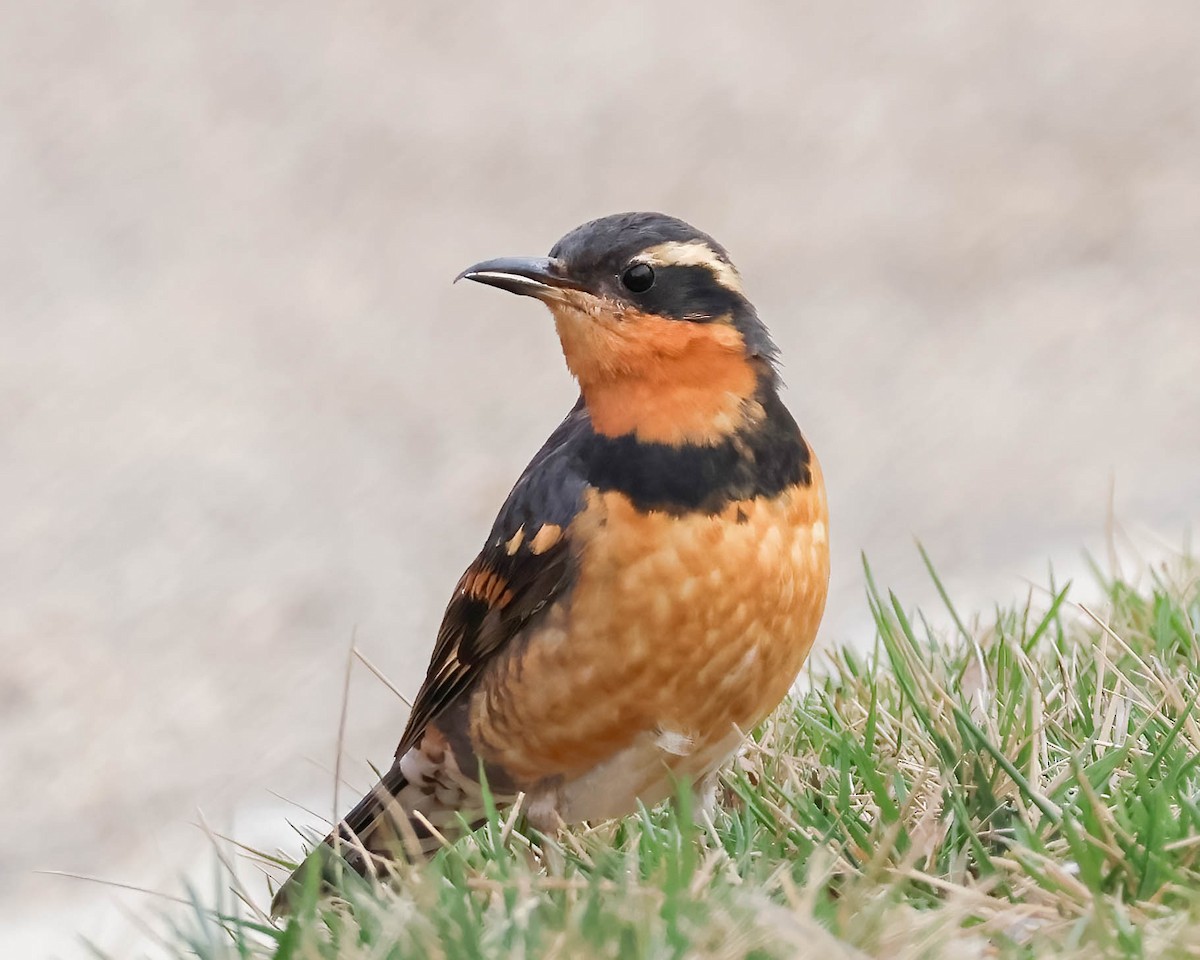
527 563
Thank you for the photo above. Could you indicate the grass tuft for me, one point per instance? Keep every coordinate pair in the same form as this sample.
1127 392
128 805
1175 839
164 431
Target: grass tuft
1025 785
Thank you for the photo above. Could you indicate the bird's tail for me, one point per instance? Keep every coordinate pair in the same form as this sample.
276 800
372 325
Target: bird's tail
391 822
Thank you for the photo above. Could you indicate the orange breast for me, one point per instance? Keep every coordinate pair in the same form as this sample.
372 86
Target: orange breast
686 625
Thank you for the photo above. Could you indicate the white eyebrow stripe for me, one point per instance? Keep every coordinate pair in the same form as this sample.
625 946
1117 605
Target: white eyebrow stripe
694 253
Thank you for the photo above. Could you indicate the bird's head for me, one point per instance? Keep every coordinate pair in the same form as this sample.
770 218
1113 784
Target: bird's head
654 325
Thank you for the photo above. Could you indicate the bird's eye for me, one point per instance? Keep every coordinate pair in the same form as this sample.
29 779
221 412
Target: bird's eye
639 278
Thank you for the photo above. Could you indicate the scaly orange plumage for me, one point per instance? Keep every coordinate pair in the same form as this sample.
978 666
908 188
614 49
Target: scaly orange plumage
693 625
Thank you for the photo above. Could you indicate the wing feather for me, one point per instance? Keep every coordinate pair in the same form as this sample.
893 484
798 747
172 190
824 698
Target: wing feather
528 562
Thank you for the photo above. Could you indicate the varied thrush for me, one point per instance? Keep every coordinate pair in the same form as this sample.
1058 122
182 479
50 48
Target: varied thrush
655 579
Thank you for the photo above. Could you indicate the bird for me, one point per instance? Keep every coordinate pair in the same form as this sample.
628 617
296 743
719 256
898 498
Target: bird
654 581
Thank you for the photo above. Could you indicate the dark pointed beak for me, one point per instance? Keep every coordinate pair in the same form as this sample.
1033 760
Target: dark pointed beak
529 276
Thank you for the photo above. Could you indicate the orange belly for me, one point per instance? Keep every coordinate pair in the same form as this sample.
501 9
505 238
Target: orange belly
679 629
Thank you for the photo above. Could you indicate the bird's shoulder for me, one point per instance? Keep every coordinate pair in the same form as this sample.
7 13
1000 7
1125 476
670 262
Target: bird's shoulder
551 490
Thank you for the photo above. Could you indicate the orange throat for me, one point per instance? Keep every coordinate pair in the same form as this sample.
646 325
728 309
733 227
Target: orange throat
665 381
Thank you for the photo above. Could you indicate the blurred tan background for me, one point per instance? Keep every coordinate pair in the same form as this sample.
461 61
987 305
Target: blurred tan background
244 415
